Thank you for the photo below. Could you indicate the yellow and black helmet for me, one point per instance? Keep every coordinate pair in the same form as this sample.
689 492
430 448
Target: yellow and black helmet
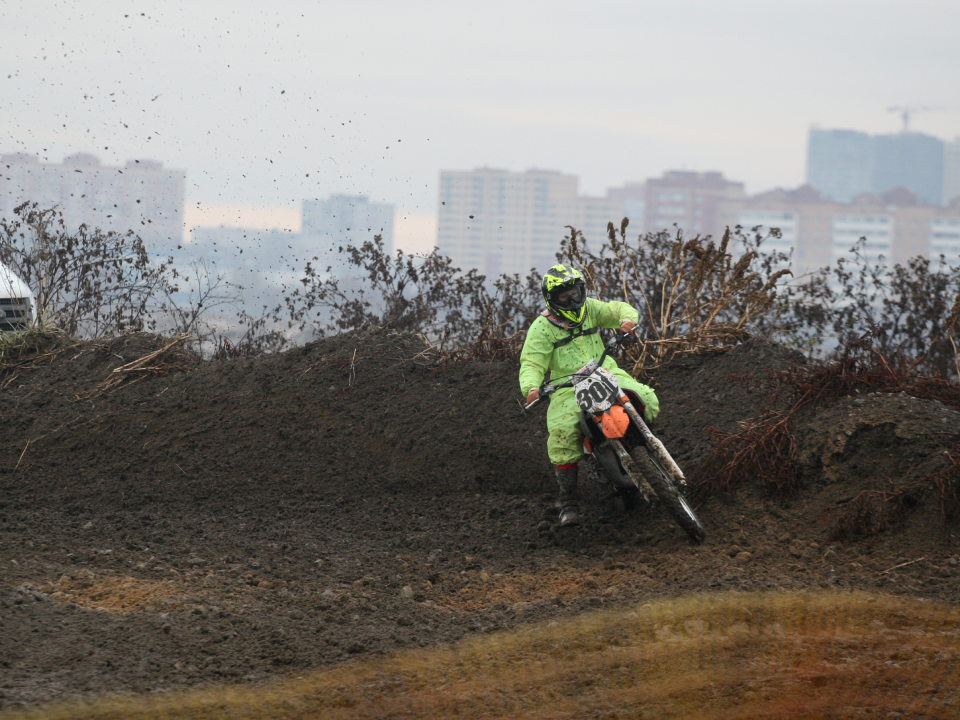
565 293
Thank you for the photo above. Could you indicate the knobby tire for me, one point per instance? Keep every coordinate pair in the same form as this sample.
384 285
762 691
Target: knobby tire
669 495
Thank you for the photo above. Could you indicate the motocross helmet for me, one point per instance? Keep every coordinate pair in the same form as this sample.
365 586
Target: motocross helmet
565 293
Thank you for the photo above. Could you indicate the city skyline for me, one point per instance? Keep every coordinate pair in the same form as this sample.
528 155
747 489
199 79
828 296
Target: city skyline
272 107
141 196
497 220
845 163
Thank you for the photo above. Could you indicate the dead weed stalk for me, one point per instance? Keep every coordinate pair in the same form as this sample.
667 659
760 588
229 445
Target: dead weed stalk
149 364
30 347
873 511
701 297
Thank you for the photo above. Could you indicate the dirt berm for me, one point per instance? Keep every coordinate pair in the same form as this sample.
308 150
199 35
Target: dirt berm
240 520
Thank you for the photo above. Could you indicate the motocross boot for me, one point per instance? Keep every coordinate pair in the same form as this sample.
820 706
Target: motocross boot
569 496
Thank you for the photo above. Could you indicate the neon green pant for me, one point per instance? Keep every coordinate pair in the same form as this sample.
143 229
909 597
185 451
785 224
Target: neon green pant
565 444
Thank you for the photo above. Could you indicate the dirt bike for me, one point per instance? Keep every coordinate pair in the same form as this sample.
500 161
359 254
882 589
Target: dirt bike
620 446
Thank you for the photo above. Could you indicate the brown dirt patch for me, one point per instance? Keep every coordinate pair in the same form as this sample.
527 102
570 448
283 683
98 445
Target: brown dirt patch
116 594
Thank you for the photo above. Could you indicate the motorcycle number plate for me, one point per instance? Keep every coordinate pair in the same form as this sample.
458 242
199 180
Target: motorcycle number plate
598 391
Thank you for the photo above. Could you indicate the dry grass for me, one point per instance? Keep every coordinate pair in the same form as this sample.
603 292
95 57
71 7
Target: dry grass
131 372
31 346
484 591
765 655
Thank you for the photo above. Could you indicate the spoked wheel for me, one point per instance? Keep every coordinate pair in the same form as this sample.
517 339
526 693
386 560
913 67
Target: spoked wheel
671 497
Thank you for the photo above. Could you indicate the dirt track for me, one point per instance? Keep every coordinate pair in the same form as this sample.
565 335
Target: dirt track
252 518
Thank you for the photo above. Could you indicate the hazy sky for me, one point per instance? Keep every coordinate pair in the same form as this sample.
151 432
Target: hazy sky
264 104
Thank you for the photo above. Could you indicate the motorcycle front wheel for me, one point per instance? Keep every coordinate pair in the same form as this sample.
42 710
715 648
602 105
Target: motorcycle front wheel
671 497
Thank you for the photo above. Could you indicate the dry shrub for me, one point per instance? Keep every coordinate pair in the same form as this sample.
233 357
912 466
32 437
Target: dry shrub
87 283
873 511
258 338
912 309
693 295
739 655
765 448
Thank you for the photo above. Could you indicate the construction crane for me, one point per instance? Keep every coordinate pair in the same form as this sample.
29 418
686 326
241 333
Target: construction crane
907 110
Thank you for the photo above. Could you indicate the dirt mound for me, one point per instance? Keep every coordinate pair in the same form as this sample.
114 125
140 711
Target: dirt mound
863 441
168 523
717 390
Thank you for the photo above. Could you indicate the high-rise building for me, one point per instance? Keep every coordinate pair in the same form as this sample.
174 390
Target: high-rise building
688 199
349 220
632 197
507 222
840 163
909 160
951 172
142 196
843 164
945 237
258 258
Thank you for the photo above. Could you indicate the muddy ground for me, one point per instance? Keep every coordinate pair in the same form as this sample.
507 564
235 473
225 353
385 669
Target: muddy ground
241 520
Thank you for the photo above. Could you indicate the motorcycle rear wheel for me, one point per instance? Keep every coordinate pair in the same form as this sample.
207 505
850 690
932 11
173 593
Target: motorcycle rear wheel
671 497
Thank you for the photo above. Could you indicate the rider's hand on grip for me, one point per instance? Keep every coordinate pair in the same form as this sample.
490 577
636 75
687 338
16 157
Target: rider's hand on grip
534 394
630 328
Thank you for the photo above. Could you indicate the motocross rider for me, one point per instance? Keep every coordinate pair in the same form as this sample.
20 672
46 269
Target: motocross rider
563 339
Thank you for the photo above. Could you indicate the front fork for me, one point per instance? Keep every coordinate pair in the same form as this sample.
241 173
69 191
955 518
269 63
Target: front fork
602 468
656 447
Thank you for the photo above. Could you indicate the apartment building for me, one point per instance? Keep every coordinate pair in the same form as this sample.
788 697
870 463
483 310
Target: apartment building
689 200
142 196
951 172
509 222
896 226
348 220
632 198
326 226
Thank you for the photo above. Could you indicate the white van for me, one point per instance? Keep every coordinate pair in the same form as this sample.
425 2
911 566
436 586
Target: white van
17 304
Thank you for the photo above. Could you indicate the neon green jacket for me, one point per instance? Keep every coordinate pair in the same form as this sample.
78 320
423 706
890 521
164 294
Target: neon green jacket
540 355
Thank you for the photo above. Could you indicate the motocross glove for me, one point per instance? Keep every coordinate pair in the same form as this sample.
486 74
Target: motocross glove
532 395
628 327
